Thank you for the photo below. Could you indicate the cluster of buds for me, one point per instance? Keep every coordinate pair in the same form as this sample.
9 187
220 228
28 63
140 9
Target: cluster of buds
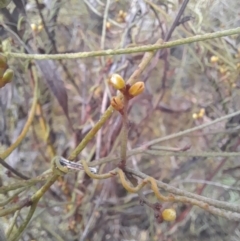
224 71
128 91
37 27
216 61
121 17
199 115
6 74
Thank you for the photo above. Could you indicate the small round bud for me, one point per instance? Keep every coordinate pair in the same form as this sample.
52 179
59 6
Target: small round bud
223 70
136 89
194 116
214 59
40 28
169 215
117 103
8 76
108 25
117 82
120 13
34 27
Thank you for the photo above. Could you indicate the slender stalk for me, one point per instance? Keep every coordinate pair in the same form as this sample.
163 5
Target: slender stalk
20 230
13 222
24 183
11 169
144 48
9 150
91 134
124 132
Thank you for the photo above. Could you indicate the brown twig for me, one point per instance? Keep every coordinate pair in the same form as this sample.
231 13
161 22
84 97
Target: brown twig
13 170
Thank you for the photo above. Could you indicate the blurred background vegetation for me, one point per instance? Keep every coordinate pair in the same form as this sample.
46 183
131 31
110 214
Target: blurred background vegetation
186 86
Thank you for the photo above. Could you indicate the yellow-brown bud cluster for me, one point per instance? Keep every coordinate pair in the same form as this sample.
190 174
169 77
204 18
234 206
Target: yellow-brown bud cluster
37 27
225 71
6 74
199 115
121 17
128 91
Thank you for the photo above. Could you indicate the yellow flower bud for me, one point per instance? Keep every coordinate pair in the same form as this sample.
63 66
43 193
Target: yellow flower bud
34 27
117 103
136 89
223 70
214 59
8 76
201 113
120 13
194 116
108 25
117 82
169 215
40 28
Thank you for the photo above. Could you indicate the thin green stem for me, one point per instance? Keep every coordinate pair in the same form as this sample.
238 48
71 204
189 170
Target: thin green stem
35 197
8 200
24 183
104 24
13 222
44 188
181 133
106 115
139 49
8 151
20 230
193 154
